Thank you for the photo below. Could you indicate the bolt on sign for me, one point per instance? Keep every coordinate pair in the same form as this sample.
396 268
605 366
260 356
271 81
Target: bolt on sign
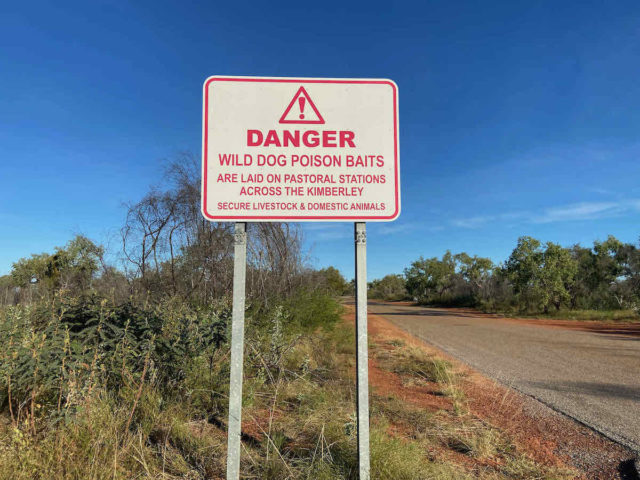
300 149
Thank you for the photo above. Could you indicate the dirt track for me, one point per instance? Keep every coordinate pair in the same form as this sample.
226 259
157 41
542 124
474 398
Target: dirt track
591 374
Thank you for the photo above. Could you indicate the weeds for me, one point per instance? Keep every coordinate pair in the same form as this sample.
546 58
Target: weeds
446 430
98 392
415 365
414 362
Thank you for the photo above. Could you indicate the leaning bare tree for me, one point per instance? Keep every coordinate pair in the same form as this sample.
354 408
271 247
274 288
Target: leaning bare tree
171 248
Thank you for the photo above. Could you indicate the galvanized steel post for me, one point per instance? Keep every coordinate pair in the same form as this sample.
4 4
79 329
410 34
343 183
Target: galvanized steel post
362 356
237 352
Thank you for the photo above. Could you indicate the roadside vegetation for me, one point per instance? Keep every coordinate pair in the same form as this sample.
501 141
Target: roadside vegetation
95 391
121 371
459 444
598 283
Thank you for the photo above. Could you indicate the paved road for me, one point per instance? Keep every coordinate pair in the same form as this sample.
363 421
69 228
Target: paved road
592 377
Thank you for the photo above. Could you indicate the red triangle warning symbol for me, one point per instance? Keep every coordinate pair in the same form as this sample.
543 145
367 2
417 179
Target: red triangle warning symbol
301 109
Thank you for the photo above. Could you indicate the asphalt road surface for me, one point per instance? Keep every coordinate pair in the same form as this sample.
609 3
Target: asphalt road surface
593 377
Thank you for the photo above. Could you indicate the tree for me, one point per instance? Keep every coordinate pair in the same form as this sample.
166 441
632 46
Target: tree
333 280
523 265
626 286
30 270
72 267
390 287
429 279
475 270
608 259
607 275
173 250
556 276
541 277
586 279
76 265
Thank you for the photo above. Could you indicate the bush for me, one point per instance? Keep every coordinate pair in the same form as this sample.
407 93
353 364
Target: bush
309 310
390 287
54 355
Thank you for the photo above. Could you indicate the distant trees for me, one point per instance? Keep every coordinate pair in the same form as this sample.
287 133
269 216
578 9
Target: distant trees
73 267
331 280
430 278
30 270
390 287
457 279
608 275
541 276
626 288
535 278
476 272
170 250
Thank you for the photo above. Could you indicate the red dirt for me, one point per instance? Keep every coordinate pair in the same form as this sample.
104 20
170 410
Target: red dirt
546 436
612 327
418 395
632 329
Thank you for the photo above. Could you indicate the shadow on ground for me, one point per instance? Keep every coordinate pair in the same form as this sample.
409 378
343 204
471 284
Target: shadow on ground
628 469
609 390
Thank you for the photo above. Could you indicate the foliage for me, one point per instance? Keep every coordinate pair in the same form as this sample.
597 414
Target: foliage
333 281
310 310
97 389
534 279
429 279
120 382
476 271
542 277
71 266
54 355
390 287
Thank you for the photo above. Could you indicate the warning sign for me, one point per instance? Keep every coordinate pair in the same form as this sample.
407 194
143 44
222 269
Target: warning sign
300 149
304 110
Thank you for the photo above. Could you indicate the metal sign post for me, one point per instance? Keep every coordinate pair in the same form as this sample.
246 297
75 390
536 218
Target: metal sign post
362 356
237 351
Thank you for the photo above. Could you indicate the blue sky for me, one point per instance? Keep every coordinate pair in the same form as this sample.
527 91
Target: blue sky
516 118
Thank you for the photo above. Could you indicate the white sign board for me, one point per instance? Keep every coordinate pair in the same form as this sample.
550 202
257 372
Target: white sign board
300 149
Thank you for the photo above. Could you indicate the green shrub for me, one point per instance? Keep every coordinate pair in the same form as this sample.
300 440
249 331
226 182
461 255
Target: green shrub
54 355
414 362
310 310
397 459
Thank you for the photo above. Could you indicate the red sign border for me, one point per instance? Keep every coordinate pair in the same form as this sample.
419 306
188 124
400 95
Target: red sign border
274 218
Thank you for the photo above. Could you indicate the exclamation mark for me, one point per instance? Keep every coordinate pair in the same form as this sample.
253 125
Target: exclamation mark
301 101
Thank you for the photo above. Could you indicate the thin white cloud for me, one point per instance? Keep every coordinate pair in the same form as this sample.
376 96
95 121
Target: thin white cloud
393 228
583 211
337 231
602 191
562 213
327 231
473 222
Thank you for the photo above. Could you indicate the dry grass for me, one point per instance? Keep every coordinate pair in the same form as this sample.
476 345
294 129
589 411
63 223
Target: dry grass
299 423
449 432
